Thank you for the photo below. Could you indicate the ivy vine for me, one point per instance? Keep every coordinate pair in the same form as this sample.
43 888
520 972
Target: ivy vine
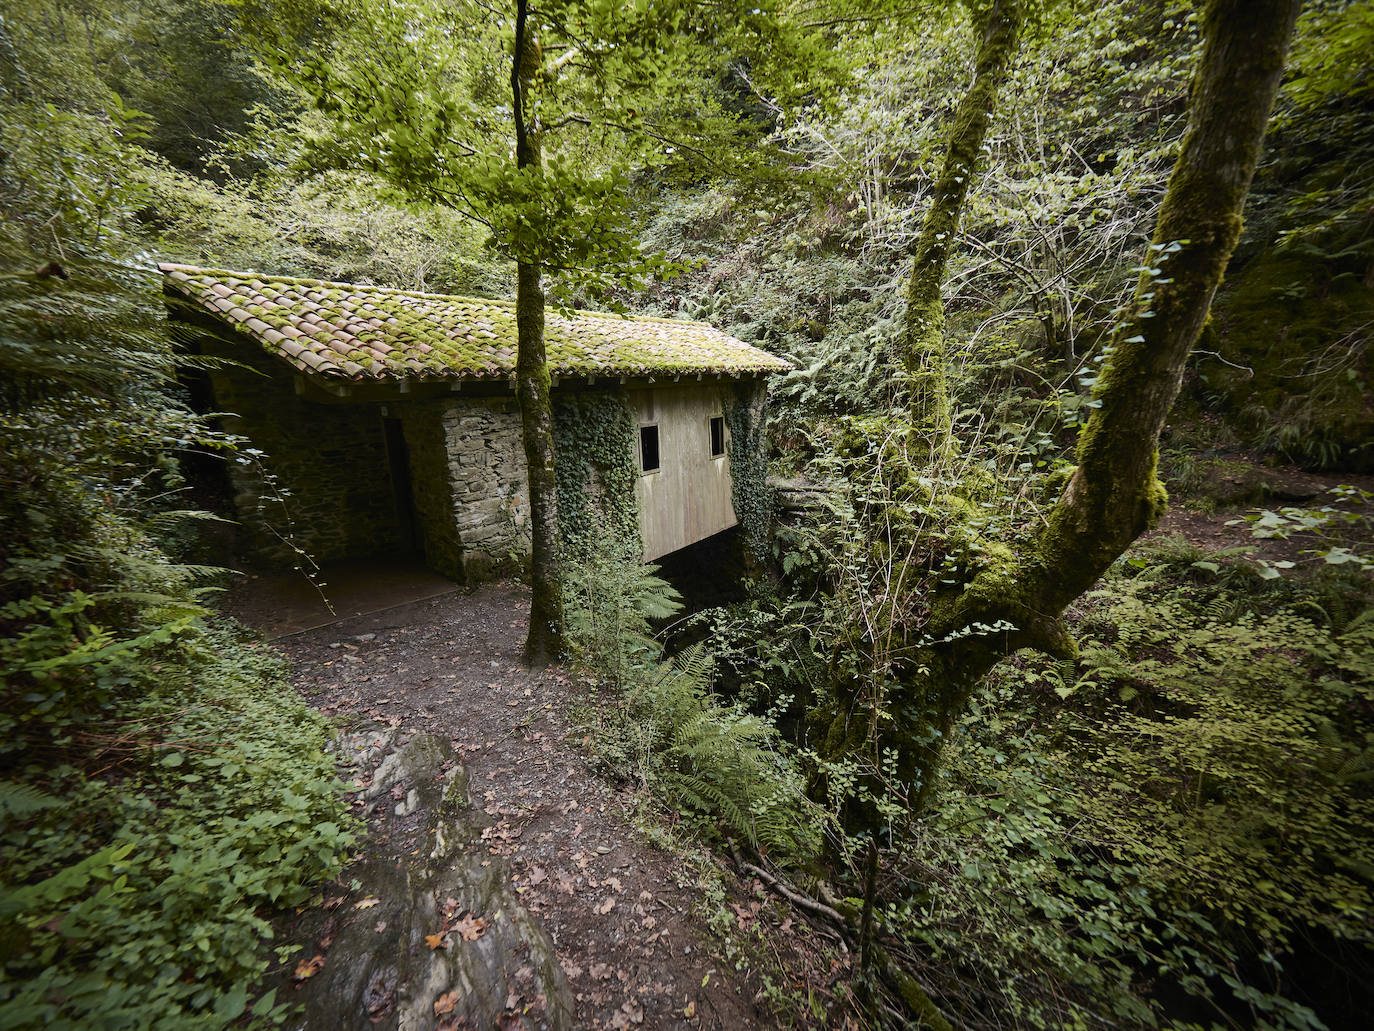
596 474
753 498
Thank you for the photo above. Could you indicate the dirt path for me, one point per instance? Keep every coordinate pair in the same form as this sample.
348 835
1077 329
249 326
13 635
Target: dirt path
619 912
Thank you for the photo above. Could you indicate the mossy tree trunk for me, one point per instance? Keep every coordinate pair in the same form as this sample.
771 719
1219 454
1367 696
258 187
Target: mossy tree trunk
533 385
1114 494
922 354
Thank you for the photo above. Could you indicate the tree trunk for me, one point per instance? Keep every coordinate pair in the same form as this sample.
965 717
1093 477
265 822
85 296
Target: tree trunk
533 386
1114 494
923 340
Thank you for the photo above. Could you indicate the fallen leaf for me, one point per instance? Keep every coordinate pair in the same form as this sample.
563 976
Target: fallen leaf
367 903
614 884
445 1003
690 1010
606 906
436 941
471 927
381 926
538 876
309 967
631 1012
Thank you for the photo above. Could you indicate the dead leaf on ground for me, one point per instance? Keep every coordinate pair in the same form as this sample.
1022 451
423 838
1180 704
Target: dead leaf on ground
631 1012
690 1010
471 927
436 941
307 968
445 1003
606 906
368 902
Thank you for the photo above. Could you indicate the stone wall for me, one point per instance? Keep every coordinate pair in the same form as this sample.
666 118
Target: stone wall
490 487
467 469
324 483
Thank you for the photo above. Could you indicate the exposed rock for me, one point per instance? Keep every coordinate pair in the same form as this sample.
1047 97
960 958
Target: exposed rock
433 936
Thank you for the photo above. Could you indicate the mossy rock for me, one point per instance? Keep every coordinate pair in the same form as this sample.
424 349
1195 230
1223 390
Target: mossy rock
380 970
1293 326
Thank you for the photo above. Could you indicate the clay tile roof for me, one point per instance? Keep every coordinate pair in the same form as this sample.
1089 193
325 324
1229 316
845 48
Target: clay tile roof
363 333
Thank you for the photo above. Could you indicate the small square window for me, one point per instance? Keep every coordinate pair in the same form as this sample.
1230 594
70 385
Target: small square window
717 436
648 449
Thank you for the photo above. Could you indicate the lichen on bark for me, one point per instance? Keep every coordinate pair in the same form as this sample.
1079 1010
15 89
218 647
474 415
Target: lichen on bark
533 383
1016 599
922 349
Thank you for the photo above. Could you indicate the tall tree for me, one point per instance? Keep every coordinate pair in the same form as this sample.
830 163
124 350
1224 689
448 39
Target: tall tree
922 353
532 380
1015 599
588 91
413 95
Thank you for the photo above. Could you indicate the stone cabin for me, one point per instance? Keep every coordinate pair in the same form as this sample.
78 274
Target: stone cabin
390 424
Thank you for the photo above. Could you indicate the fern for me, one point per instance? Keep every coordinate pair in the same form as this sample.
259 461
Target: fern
722 764
21 800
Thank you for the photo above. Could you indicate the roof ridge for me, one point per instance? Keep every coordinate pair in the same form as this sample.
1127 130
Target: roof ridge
168 266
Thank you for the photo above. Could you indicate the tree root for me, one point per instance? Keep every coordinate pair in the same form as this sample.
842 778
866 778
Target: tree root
844 919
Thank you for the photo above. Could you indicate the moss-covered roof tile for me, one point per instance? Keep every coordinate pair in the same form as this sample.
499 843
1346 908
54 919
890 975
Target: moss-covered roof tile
355 332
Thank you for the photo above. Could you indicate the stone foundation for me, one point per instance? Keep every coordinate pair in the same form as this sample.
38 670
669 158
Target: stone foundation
467 469
323 484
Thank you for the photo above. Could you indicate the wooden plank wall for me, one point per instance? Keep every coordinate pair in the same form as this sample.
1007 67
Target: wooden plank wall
689 498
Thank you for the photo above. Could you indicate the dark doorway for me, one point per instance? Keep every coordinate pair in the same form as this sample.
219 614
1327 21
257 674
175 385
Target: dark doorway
398 457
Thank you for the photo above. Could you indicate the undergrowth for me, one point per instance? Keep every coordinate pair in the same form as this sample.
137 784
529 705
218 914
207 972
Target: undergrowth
724 770
141 876
1172 830
163 793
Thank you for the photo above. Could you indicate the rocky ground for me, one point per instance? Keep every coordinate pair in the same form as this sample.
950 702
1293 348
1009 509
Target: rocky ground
502 883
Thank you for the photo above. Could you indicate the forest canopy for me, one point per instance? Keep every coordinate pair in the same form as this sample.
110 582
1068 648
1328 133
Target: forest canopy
1051 682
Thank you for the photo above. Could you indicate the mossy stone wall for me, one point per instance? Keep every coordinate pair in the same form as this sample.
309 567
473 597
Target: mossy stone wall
486 481
324 483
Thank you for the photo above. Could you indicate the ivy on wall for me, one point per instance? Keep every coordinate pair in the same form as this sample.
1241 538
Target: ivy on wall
753 499
596 474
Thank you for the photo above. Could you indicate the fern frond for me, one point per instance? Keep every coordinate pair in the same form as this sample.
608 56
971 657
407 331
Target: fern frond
21 800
